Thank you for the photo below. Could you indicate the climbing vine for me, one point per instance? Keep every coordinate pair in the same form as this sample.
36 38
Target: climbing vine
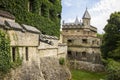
45 14
6 62
5 57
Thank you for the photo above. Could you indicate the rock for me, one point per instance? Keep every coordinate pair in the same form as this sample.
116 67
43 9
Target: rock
52 70
48 69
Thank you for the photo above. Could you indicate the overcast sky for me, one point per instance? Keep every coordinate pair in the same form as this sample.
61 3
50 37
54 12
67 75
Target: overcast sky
99 10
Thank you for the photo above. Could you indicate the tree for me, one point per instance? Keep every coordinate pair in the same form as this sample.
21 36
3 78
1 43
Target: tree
111 37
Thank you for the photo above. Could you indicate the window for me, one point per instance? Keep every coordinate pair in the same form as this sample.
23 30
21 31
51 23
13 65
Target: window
26 52
83 54
93 42
30 5
13 53
44 10
70 41
97 42
69 53
84 40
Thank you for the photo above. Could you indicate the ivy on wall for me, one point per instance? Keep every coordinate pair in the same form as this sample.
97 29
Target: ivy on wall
6 62
43 14
5 57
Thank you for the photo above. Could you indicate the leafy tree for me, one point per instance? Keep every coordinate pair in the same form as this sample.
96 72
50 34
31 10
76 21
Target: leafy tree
111 37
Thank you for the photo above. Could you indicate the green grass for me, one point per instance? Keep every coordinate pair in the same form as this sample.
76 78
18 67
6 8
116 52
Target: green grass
86 75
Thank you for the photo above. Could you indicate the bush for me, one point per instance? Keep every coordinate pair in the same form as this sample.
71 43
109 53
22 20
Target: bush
113 69
61 61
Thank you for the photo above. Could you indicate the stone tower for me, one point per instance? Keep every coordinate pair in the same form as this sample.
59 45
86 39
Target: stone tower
83 44
86 19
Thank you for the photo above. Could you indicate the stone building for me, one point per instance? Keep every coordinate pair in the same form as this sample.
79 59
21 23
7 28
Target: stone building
28 41
39 53
83 43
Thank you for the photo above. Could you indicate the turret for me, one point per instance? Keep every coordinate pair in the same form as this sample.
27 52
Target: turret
77 21
86 19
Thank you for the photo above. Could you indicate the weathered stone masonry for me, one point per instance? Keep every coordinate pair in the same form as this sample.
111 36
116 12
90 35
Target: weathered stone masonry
29 40
34 48
83 44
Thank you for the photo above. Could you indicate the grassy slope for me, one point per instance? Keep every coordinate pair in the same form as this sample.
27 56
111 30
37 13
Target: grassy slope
85 75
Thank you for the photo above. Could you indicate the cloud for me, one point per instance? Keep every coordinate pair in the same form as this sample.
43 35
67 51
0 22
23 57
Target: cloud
101 11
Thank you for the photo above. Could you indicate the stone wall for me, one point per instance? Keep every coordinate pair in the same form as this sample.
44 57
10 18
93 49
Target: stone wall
45 49
77 31
62 50
19 38
86 66
47 68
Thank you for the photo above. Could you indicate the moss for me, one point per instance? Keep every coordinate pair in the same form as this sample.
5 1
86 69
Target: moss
45 14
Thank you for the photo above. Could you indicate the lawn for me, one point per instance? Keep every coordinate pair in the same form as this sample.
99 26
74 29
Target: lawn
86 75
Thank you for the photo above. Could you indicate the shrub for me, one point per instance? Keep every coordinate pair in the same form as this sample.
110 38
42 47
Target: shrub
61 61
113 69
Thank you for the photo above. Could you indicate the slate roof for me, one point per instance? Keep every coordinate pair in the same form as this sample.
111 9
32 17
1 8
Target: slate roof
42 36
86 15
47 39
30 28
6 14
13 25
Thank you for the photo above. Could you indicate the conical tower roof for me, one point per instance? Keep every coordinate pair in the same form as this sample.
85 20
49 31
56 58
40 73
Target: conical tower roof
86 15
77 21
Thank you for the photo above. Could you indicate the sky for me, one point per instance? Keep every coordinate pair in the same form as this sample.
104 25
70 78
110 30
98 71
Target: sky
99 10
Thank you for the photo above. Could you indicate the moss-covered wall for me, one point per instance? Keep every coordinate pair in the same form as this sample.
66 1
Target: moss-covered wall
44 14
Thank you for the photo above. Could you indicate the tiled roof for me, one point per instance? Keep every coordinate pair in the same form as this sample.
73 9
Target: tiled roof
13 25
30 28
6 14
